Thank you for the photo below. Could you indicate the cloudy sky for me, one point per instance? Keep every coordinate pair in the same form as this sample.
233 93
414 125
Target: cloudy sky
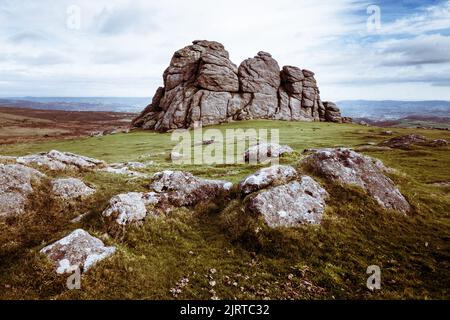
121 47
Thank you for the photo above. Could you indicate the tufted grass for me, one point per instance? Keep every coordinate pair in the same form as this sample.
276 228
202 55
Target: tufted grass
250 260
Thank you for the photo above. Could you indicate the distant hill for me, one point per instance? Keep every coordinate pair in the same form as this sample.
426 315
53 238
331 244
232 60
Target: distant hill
105 104
382 113
393 110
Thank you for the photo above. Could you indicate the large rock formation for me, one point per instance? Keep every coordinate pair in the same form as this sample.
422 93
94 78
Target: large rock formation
202 85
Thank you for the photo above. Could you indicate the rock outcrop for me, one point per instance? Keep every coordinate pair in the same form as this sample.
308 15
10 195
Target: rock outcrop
267 177
265 151
130 207
332 113
297 202
349 167
282 197
202 85
71 188
169 190
405 142
182 189
126 169
78 250
15 187
56 160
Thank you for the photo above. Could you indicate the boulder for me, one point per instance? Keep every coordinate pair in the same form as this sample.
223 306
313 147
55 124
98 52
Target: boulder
15 187
438 143
125 172
71 188
182 189
303 95
217 73
349 167
55 160
129 165
267 177
332 112
199 80
363 123
170 189
126 169
291 204
202 86
265 151
78 250
96 134
292 80
405 142
260 74
130 207
347 120
176 156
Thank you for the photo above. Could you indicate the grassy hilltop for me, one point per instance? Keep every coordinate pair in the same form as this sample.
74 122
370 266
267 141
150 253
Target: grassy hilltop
222 252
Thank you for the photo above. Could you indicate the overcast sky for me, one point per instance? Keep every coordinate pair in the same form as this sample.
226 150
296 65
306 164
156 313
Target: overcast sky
121 47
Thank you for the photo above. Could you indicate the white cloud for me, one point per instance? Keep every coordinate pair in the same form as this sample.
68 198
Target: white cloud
124 46
432 18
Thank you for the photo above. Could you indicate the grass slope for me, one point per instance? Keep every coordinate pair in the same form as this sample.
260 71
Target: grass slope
226 254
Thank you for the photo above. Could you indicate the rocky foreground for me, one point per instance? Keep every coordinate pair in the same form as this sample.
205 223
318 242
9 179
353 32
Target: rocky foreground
202 85
279 196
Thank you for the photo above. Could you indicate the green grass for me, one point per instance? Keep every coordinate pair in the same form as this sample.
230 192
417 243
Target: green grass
251 261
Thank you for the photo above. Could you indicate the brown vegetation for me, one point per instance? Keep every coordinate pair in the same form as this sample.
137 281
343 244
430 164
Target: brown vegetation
24 125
